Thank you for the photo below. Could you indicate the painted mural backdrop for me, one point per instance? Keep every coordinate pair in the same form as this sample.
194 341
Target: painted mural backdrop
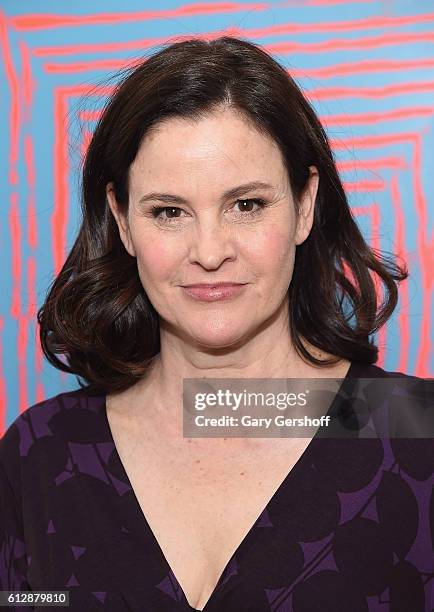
367 67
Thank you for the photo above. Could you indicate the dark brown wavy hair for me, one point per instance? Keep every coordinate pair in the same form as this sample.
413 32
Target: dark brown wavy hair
96 313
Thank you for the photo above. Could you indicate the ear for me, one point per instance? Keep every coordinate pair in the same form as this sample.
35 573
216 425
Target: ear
121 220
307 206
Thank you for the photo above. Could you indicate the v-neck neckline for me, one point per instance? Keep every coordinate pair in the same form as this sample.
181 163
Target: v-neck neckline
352 373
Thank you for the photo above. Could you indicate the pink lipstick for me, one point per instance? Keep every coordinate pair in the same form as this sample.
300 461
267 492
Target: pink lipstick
213 292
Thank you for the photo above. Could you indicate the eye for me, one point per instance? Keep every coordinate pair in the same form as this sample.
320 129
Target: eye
247 205
171 211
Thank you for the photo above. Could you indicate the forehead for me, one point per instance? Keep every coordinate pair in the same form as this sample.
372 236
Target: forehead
218 149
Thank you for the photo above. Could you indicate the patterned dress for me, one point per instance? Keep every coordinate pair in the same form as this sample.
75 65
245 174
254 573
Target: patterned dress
350 528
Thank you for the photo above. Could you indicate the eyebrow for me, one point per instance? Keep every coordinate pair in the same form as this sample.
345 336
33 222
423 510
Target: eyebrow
229 194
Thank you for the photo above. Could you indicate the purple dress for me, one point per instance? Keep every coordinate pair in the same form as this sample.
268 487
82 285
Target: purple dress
350 528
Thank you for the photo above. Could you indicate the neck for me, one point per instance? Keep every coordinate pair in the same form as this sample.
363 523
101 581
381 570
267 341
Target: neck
269 354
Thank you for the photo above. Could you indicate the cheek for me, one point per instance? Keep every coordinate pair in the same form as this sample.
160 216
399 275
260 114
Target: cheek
156 259
273 250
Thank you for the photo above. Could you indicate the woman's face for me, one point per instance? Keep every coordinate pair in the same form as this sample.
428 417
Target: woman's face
204 235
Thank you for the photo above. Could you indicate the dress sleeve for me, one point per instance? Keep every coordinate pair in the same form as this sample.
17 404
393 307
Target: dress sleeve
13 554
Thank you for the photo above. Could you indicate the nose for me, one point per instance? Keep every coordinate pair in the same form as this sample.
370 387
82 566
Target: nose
210 243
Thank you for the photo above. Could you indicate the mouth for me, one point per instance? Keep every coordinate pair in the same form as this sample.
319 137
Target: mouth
213 285
211 292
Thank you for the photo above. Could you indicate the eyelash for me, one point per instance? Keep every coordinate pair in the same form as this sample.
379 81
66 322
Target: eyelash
157 210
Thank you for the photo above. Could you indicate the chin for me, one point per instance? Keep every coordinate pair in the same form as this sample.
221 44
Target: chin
220 336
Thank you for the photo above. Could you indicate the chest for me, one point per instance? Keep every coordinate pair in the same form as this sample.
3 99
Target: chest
201 500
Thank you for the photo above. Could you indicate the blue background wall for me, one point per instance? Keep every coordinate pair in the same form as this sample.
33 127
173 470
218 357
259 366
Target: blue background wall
367 67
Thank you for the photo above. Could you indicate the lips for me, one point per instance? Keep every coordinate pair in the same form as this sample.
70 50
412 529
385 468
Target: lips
212 292
212 285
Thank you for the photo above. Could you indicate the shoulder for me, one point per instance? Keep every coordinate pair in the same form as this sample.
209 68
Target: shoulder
393 381
370 370
43 430
403 401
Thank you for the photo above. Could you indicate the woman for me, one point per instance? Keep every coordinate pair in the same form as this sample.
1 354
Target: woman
216 242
